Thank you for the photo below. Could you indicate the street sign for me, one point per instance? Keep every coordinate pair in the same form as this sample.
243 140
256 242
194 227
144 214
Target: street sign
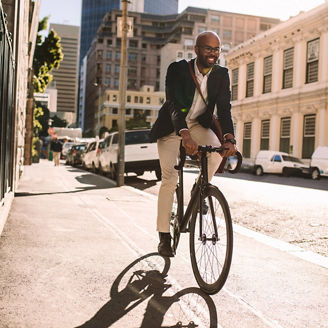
129 27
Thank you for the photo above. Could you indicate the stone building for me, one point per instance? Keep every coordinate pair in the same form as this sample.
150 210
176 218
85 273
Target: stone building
147 62
279 83
18 29
145 101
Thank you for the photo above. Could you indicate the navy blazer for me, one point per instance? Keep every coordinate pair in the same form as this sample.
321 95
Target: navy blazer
180 89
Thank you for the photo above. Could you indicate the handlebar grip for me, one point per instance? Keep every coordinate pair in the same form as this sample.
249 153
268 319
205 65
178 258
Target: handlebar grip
239 162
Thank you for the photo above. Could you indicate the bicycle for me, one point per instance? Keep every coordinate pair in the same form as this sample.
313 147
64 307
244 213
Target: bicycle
207 219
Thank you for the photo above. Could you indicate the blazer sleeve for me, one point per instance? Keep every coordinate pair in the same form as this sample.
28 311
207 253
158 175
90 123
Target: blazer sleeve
223 104
173 85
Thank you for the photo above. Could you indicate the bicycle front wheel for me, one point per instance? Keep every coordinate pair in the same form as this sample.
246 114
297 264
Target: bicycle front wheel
211 241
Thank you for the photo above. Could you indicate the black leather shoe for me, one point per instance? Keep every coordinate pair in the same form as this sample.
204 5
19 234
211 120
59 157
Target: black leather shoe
164 246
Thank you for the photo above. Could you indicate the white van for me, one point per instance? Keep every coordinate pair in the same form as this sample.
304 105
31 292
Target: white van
269 161
140 154
319 162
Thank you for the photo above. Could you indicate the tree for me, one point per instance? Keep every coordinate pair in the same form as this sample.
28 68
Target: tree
58 122
47 56
138 120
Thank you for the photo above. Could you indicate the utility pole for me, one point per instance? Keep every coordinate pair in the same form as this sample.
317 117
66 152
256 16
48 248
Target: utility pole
122 96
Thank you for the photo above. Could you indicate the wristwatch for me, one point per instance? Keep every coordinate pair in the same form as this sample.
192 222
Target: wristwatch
231 140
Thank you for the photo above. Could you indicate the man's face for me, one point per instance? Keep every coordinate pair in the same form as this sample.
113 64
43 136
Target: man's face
208 51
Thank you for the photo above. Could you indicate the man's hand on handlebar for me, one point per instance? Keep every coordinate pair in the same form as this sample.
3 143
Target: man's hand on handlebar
230 149
188 143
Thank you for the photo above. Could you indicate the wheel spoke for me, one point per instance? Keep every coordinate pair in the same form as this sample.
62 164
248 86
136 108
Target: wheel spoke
211 254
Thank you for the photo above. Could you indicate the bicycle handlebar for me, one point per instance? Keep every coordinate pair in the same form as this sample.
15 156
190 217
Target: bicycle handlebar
209 149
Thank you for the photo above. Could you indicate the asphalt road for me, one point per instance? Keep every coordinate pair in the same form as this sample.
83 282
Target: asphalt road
291 209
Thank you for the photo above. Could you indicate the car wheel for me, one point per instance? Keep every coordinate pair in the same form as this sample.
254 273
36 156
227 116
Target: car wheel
315 174
158 173
285 172
259 171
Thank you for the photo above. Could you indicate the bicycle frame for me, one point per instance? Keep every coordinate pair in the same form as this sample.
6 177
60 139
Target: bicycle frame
201 184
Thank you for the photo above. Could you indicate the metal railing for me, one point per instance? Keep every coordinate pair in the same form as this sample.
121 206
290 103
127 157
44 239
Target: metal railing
7 77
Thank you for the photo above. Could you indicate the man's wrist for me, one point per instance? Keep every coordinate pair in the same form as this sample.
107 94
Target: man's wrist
184 133
229 137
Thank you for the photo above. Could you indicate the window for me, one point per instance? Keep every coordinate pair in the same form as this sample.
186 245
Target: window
247 139
141 100
136 99
188 42
180 54
108 68
132 84
128 111
265 134
234 86
133 43
215 19
189 55
116 83
250 80
132 71
114 111
267 74
148 100
108 54
287 79
308 136
107 81
117 68
284 135
201 29
227 34
128 98
143 58
312 61
132 56
117 55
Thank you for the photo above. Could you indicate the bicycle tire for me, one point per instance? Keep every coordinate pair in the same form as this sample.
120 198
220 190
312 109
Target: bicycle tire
211 257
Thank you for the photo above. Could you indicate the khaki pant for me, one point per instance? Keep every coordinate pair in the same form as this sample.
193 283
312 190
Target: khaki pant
56 157
168 150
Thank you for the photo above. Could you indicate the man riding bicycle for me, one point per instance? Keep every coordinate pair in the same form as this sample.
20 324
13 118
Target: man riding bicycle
187 115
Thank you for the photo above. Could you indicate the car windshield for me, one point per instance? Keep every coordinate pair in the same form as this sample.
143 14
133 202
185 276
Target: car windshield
291 159
79 147
137 137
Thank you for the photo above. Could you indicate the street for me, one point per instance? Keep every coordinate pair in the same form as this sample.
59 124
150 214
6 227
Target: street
78 252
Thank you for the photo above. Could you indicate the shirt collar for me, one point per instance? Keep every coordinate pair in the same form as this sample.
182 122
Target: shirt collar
198 73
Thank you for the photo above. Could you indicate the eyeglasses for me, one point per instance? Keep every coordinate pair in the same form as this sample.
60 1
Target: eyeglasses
208 49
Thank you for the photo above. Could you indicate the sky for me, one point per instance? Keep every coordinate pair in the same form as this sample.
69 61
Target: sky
69 11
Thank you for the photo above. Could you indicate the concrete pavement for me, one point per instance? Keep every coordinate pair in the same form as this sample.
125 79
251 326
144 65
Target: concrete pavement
77 251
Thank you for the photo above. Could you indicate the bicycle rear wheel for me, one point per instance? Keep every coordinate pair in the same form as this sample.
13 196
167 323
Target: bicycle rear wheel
211 241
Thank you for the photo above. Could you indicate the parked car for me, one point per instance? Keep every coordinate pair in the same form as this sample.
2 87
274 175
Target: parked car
140 154
90 157
74 154
319 163
66 146
269 161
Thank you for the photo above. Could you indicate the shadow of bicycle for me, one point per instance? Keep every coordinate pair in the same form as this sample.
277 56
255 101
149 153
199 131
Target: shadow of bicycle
146 280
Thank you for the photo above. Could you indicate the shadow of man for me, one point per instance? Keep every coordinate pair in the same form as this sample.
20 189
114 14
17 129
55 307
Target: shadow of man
145 279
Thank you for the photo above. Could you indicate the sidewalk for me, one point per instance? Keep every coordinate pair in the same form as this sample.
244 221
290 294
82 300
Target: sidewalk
51 245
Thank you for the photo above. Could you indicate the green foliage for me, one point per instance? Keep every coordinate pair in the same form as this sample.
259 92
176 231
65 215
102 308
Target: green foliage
58 122
37 113
88 134
102 131
47 56
138 120
43 120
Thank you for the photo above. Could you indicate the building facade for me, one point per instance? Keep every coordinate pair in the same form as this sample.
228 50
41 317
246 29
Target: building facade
18 29
147 63
93 12
65 79
279 83
145 102
161 7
